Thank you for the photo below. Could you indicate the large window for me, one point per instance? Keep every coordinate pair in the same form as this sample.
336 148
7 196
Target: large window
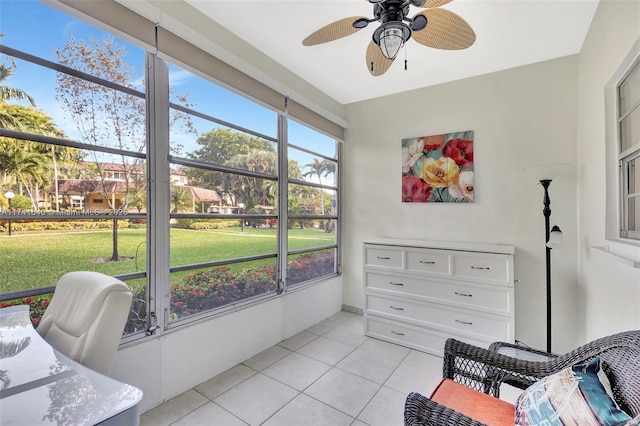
629 153
223 239
312 189
117 160
73 162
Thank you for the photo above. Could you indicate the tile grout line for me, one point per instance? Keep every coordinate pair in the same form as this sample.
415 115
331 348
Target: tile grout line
331 367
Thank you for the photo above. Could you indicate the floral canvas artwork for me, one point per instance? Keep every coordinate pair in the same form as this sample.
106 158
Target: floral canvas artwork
438 168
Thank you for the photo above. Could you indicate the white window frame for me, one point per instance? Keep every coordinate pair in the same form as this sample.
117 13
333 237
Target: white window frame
616 190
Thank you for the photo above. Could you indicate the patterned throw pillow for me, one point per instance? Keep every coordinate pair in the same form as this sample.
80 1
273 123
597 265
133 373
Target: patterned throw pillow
574 396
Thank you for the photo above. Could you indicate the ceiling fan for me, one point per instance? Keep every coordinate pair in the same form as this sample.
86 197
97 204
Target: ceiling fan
432 27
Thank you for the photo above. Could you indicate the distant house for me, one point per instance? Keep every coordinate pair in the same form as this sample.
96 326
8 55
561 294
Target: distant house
89 194
178 177
86 194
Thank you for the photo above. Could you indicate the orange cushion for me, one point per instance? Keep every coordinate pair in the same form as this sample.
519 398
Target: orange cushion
477 405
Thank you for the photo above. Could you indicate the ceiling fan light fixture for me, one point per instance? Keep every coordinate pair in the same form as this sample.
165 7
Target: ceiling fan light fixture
390 37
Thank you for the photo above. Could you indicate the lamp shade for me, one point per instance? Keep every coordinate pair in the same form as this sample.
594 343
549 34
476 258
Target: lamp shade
555 237
546 171
390 37
9 195
391 42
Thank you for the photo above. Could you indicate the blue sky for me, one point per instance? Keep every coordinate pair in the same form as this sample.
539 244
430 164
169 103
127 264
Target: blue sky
39 29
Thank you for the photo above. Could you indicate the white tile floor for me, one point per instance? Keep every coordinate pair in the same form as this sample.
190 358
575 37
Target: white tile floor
330 374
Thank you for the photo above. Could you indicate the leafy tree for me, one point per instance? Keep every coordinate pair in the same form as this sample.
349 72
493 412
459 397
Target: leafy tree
108 117
220 146
104 116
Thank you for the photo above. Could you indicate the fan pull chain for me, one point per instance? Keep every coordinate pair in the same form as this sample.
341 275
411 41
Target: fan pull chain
405 57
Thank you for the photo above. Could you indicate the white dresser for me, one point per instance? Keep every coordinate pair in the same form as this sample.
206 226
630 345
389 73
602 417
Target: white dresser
419 293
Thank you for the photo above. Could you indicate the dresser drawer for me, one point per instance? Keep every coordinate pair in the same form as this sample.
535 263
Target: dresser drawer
404 285
445 318
479 297
384 257
431 262
493 269
422 339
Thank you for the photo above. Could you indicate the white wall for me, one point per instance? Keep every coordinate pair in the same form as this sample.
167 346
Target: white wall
520 117
168 365
609 290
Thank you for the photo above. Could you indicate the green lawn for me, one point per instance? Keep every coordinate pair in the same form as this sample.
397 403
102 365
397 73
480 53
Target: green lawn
38 260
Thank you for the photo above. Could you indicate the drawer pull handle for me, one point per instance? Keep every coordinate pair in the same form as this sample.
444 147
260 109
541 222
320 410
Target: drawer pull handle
397 309
383 257
482 268
397 333
463 294
464 322
392 283
427 262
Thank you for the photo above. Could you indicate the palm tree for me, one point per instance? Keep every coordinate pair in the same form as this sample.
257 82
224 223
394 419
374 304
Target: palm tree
181 199
320 169
251 190
35 121
28 169
42 124
8 93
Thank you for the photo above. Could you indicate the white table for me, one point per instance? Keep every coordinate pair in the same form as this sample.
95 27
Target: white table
39 385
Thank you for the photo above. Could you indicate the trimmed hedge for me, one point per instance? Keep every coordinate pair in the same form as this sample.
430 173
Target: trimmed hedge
214 225
61 225
205 224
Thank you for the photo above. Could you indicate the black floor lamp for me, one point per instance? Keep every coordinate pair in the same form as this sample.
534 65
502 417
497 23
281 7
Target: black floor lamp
553 236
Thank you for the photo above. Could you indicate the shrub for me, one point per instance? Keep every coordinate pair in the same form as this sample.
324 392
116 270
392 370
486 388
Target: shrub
204 290
207 289
309 266
21 202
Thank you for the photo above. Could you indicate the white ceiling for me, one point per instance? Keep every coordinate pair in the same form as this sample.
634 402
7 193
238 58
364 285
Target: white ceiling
509 33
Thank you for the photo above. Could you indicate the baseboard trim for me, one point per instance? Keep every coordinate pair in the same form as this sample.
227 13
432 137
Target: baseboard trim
353 309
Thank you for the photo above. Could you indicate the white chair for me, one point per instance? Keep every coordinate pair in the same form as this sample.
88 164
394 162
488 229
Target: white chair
86 318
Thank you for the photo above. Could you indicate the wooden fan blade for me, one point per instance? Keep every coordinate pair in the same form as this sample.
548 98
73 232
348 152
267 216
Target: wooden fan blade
333 31
435 3
445 30
377 64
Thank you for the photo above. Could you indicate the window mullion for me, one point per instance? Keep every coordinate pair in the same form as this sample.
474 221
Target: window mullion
158 184
283 200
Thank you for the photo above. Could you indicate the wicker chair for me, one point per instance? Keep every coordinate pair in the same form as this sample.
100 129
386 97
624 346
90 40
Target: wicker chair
485 370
